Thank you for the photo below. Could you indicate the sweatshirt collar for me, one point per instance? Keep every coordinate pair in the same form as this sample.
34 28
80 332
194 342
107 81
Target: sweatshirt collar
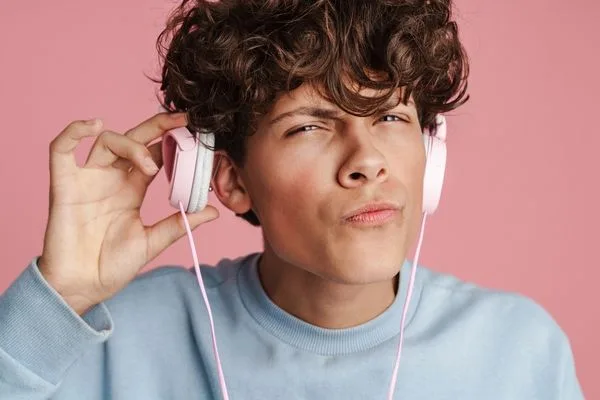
303 335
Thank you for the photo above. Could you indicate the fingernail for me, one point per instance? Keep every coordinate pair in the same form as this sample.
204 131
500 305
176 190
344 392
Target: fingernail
150 165
92 121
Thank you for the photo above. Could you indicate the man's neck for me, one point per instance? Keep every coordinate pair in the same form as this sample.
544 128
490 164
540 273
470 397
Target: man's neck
319 301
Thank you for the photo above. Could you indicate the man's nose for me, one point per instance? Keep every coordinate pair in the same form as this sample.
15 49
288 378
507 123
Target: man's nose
364 162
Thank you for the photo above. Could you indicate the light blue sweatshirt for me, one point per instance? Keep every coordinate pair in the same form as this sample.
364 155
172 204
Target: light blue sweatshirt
152 341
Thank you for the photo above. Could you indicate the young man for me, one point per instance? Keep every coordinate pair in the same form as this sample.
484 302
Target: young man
318 108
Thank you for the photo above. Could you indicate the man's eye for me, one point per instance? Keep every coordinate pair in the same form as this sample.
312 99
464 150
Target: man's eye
391 117
303 129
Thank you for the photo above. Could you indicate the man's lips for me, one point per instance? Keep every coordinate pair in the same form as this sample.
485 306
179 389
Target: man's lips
372 213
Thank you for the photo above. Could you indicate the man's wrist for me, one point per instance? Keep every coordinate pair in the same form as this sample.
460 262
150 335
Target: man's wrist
79 303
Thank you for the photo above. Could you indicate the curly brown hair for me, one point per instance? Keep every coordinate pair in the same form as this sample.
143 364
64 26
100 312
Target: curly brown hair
225 62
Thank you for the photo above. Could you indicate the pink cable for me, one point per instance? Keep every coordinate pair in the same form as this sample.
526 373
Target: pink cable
407 302
212 324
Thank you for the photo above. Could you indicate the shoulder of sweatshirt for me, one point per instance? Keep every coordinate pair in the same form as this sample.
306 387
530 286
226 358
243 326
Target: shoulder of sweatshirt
491 318
213 275
171 289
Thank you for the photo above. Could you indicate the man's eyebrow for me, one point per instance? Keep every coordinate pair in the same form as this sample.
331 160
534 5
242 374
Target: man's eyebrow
396 102
318 112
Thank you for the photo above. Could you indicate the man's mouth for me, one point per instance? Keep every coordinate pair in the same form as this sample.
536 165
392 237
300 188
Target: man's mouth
372 214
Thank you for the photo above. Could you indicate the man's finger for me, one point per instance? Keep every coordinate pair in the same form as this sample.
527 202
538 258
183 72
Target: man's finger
62 147
156 126
111 146
141 178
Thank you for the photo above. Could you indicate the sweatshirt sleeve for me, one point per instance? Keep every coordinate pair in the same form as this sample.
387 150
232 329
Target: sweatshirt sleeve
41 336
570 388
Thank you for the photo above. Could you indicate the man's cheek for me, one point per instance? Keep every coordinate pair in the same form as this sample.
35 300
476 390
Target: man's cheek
297 183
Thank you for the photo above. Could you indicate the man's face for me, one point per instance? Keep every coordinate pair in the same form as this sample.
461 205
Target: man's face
310 165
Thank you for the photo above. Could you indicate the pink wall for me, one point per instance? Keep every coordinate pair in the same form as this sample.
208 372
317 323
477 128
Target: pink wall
519 206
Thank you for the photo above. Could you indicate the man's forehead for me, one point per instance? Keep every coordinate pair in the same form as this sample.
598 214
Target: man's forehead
308 94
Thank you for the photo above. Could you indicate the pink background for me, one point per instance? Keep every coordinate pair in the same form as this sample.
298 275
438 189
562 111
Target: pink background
519 209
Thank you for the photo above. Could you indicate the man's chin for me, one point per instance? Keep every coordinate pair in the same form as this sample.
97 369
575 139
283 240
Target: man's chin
364 268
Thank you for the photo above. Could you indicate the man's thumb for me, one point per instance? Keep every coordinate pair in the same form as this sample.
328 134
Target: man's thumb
208 214
165 232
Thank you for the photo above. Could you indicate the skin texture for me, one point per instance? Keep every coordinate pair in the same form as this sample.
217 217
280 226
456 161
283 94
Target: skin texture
302 175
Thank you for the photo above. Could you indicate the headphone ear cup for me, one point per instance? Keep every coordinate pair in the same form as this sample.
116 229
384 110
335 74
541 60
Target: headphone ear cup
203 172
435 166
180 152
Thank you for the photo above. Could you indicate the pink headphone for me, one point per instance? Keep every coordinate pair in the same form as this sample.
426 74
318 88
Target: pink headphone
189 164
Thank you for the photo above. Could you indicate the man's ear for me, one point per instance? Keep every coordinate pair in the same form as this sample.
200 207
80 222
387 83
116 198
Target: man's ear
227 184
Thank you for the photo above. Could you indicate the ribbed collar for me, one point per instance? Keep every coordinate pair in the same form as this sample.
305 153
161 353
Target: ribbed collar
303 335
